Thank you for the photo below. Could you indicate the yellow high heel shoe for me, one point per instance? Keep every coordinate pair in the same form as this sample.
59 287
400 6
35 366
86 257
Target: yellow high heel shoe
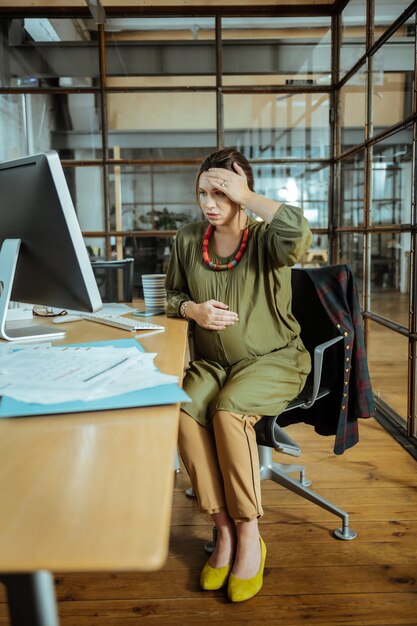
240 589
212 578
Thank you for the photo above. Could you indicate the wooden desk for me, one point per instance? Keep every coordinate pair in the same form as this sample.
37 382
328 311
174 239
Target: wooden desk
92 491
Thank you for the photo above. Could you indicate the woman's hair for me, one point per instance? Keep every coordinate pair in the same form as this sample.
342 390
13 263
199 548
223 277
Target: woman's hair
225 158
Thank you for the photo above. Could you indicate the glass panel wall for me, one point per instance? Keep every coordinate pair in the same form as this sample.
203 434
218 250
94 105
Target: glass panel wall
391 389
145 125
14 135
376 216
153 197
353 110
393 78
392 179
68 123
391 204
351 252
300 184
353 35
86 186
163 114
386 12
58 61
48 53
280 126
352 190
276 51
390 276
161 52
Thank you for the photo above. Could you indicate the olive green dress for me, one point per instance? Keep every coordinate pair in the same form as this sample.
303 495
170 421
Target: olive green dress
258 365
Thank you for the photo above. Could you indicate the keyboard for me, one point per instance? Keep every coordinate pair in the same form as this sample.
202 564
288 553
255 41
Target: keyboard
118 321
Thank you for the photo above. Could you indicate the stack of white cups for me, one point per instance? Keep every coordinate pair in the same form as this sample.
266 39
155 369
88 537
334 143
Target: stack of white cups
154 290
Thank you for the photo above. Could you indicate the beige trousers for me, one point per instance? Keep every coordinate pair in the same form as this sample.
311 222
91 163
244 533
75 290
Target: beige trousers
223 464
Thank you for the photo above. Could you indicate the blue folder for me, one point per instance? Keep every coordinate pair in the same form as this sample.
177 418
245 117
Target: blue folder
163 394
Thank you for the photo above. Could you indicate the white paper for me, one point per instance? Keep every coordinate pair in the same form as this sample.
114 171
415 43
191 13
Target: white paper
58 374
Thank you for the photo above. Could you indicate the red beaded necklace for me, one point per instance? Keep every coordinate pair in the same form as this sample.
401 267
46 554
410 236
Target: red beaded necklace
218 267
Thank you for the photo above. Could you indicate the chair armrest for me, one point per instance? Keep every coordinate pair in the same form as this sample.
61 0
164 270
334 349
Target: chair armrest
318 366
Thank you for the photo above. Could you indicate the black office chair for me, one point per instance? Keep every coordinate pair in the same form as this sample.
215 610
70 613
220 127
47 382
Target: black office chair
324 341
114 279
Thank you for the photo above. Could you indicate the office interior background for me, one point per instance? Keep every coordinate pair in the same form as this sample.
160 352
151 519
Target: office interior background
320 97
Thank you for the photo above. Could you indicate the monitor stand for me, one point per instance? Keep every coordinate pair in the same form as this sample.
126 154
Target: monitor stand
9 254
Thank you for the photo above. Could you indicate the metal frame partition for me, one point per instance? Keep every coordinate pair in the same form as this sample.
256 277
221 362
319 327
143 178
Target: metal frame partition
404 431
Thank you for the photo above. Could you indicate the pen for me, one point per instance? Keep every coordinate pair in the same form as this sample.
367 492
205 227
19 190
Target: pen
86 380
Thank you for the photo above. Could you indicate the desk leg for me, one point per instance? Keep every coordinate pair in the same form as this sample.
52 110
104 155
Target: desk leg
31 599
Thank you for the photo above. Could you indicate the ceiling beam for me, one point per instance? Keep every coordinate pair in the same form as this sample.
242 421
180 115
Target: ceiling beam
276 8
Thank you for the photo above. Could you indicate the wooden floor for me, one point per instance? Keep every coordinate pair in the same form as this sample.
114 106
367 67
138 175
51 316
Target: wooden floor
310 578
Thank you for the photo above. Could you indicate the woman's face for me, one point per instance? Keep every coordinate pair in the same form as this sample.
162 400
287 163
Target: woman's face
218 209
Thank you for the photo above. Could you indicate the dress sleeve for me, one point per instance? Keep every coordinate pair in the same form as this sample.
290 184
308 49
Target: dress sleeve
175 282
288 235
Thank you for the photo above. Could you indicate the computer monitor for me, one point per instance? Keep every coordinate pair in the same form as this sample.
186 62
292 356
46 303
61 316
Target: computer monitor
43 257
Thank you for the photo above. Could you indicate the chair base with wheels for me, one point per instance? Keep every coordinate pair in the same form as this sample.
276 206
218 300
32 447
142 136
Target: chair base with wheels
279 473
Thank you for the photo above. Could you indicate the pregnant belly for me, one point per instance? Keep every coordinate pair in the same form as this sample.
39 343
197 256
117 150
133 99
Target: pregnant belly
231 345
